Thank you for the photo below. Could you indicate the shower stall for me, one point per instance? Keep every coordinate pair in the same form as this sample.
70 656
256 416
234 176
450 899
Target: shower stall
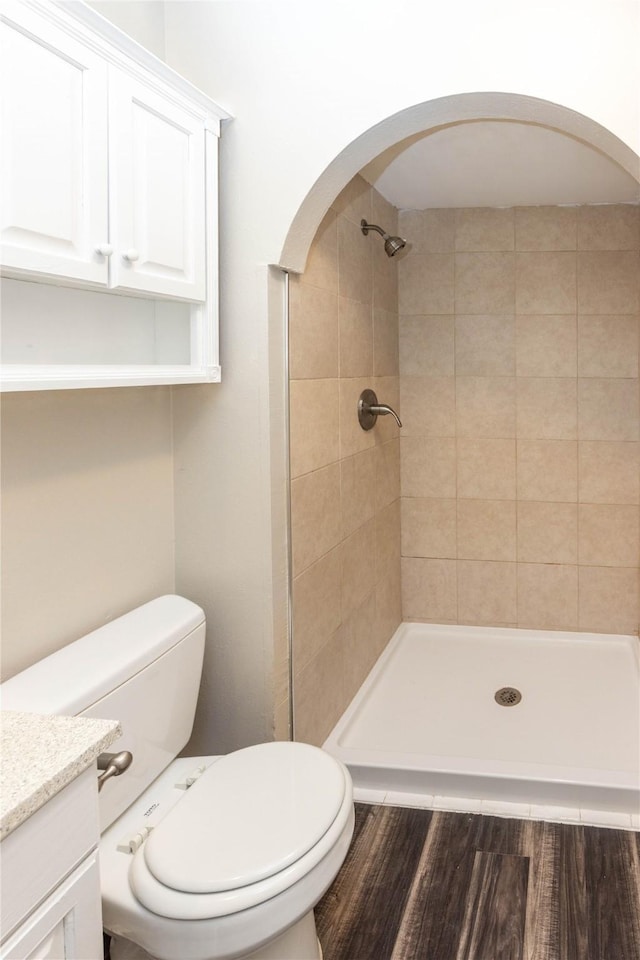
494 536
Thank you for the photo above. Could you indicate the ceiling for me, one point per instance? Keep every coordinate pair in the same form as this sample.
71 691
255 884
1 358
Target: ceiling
497 164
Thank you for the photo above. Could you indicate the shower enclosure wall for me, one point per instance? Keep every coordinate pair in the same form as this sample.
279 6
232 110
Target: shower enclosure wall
515 365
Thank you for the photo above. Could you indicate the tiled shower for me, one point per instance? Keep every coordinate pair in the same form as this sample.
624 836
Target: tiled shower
508 338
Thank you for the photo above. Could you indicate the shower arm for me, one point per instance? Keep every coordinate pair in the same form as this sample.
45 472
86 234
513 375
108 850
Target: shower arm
365 227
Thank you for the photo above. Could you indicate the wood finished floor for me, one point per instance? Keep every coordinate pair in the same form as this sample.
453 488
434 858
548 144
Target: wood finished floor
427 885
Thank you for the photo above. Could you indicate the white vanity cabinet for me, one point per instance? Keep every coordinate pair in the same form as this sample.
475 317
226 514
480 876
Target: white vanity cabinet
109 185
50 906
51 882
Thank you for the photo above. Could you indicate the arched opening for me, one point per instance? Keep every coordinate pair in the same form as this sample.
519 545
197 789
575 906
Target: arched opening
516 350
430 116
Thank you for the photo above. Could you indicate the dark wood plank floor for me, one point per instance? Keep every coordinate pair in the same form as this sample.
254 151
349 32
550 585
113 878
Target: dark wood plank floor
426 885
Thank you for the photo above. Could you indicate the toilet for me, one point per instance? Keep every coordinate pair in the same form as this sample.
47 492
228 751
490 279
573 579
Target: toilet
201 858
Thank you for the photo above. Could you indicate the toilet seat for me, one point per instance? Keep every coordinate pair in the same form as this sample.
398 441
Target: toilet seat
256 822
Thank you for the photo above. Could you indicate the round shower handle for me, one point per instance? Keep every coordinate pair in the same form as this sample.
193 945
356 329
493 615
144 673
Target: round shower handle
369 410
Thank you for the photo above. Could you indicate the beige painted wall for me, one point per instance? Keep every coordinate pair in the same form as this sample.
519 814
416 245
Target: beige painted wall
345 482
87 513
519 389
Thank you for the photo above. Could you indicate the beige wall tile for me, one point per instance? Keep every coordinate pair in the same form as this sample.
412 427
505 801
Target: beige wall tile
427 346
428 467
547 408
385 281
359 652
487 529
319 692
548 470
545 228
609 472
547 532
428 589
428 231
426 284
485 228
608 409
321 269
317 611
546 346
385 344
313 332
486 592
358 567
388 610
355 201
485 345
387 390
281 721
545 283
428 406
608 282
314 424
316 516
385 271
484 283
548 596
355 270
331 655
384 213
428 528
608 346
608 600
609 227
608 535
486 407
356 338
387 551
353 439
387 465
357 488
486 469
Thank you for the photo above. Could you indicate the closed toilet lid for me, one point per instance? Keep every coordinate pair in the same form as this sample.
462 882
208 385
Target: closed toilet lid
249 816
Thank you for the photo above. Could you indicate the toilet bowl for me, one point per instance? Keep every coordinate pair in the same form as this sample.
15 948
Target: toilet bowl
232 863
201 858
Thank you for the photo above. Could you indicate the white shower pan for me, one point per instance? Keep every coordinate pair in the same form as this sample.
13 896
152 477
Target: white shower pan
426 719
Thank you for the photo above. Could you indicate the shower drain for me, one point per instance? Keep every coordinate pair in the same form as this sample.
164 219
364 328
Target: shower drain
508 696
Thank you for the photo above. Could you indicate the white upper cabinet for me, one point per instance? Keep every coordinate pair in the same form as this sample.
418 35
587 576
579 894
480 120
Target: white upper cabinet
54 206
108 186
157 192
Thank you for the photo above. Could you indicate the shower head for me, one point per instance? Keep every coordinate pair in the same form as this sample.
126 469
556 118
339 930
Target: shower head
391 244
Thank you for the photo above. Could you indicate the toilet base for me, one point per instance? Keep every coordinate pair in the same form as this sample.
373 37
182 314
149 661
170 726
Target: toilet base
299 942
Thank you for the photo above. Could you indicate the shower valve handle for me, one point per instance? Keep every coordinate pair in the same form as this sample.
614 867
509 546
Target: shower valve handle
369 410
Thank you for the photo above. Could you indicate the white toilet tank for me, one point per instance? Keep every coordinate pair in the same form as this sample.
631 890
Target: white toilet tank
142 669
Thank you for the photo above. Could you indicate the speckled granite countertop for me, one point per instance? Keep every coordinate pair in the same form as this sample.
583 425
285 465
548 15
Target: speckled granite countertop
41 755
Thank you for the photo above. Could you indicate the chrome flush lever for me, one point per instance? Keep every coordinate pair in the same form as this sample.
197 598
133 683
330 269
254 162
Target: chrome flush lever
369 410
113 764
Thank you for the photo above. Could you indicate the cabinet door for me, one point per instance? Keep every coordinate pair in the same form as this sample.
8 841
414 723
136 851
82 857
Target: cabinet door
54 206
67 926
157 192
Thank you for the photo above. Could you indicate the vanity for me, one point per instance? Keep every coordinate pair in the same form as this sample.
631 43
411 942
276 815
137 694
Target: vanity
50 892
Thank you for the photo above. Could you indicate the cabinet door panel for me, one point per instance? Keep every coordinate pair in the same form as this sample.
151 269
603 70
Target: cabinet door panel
67 926
54 157
157 193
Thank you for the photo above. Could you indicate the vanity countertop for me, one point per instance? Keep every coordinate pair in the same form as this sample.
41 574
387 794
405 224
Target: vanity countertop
41 755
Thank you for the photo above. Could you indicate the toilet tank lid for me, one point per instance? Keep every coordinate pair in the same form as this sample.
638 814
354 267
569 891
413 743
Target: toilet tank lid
73 678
